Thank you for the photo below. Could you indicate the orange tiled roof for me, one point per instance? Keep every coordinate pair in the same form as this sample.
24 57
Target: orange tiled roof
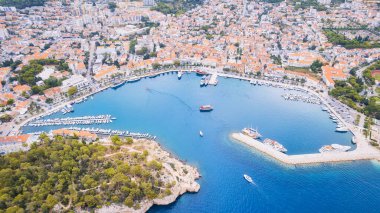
21 88
82 134
18 138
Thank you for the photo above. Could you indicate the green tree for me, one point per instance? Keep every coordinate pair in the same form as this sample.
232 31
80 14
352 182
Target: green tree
316 66
112 6
177 63
72 91
10 101
156 66
5 118
132 46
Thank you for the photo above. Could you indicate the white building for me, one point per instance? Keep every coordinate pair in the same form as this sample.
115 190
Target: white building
76 80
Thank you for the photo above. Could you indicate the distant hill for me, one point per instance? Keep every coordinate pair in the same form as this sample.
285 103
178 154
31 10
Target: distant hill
176 6
20 4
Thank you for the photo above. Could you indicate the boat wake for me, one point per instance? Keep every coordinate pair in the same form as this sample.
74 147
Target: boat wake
170 95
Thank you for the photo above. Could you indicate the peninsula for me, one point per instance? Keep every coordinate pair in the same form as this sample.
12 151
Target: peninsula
64 173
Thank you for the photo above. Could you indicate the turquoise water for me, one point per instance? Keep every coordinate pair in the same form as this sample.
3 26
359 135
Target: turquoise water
168 108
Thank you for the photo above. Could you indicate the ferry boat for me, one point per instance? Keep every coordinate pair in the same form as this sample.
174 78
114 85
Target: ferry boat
275 145
334 148
341 129
248 178
179 75
206 108
253 133
201 133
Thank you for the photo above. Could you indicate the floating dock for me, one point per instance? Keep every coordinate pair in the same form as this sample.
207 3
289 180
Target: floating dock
360 153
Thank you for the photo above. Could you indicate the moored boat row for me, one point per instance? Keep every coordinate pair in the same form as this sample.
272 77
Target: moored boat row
84 120
100 131
303 98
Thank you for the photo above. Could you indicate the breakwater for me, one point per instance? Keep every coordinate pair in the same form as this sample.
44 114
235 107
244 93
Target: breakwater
361 153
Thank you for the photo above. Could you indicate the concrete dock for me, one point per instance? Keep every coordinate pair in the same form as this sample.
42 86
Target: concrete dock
362 152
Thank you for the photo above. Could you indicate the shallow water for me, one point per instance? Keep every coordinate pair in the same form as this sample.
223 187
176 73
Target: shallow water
168 108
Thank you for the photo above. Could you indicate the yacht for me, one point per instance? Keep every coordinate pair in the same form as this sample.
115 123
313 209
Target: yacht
253 133
248 178
353 140
202 83
201 133
179 75
341 129
275 145
205 108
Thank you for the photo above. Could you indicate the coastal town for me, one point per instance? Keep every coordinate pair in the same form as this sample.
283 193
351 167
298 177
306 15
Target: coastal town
61 53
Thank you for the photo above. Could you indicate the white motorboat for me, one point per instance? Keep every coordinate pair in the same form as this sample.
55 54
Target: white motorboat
248 178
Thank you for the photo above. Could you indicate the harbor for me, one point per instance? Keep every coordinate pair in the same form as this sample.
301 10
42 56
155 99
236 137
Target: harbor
83 120
172 114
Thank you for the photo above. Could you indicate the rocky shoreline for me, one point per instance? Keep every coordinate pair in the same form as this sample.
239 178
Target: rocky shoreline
183 175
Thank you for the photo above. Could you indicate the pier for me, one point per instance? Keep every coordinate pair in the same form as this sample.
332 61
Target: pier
363 152
84 120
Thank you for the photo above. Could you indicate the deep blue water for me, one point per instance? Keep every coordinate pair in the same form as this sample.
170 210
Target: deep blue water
168 108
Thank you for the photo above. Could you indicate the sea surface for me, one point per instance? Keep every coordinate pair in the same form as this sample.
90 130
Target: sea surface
169 108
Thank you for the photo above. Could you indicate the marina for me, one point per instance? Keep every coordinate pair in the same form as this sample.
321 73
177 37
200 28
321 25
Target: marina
84 120
304 98
111 132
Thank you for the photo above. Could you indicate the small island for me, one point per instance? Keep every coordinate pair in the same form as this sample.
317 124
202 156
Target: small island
62 173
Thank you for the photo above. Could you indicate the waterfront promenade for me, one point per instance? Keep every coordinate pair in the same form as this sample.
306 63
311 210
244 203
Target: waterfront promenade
364 151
